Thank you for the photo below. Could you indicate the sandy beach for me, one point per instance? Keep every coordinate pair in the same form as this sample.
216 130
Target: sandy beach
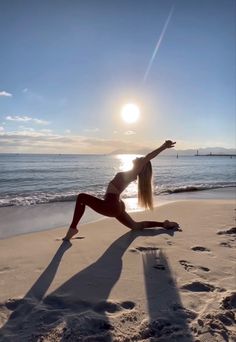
112 284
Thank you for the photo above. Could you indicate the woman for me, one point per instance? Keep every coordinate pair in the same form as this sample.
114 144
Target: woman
113 206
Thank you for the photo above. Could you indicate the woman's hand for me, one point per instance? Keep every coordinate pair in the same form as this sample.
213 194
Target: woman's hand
153 154
169 144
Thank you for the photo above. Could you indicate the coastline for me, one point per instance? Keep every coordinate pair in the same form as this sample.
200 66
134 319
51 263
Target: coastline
114 284
17 220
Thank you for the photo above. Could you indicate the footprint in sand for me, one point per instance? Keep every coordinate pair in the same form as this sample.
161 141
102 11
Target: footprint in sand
226 244
146 249
229 302
12 304
184 312
6 269
170 243
192 268
197 286
151 251
200 249
113 307
230 231
160 267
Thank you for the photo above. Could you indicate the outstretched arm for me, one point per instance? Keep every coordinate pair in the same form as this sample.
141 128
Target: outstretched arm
153 154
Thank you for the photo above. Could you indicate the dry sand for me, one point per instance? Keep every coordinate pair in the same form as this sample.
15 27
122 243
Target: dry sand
111 284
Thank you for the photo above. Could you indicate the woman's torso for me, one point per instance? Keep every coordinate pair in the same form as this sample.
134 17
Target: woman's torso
121 180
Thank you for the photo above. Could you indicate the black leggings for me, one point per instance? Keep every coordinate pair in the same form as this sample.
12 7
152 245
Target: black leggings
110 206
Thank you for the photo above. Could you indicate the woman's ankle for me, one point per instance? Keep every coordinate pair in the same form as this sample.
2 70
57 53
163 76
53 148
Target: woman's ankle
73 228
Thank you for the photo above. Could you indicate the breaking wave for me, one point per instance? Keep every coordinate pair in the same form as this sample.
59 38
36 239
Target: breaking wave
26 199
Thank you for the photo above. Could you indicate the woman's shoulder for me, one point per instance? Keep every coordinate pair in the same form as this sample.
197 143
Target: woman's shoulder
126 174
130 175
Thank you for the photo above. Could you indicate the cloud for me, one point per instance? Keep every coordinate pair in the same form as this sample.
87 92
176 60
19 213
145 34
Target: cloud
46 130
41 122
30 141
91 130
130 133
26 118
1 129
67 131
24 128
5 93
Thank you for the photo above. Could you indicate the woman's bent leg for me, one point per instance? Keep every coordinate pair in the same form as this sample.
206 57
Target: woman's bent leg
78 212
100 206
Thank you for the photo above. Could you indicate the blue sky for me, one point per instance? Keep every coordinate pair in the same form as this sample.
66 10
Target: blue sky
67 67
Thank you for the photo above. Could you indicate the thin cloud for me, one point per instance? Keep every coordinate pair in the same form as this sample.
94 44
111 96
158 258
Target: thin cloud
5 93
130 133
91 130
24 128
47 142
67 131
26 118
1 129
45 130
41 122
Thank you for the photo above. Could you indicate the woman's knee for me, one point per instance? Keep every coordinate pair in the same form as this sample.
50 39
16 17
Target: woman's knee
134 225
81 197
137 226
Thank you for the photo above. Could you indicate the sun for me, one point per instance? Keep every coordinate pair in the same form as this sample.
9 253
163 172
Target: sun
130 112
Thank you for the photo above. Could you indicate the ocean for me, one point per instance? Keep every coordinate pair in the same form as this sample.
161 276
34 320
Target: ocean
34 181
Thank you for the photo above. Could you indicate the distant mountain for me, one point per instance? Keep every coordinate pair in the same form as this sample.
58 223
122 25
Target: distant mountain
131 151
174 152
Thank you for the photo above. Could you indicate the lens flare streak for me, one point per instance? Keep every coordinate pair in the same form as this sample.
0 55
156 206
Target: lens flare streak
158 44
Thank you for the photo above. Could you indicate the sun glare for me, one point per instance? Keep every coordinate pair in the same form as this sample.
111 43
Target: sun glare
126 161
130 112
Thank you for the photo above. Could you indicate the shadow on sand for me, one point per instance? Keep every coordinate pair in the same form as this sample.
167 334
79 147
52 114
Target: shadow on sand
168 319
79 310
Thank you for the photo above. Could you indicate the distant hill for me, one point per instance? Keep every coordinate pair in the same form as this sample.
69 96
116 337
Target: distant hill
174 152
130 151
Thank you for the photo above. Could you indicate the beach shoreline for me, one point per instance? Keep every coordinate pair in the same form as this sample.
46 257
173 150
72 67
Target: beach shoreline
17 220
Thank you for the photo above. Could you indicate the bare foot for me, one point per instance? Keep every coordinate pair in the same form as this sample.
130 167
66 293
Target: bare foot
71 232
170 225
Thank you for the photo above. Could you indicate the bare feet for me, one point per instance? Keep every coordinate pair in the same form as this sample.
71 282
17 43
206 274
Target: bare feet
71 232
170 225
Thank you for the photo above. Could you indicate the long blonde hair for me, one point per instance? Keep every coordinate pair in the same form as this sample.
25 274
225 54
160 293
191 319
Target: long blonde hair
145 187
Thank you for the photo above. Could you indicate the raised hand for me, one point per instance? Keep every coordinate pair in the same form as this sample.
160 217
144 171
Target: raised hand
169 144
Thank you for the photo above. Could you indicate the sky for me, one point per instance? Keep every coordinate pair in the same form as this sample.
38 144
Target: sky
68 67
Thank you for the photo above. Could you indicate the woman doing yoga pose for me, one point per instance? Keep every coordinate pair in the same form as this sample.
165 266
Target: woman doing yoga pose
113 206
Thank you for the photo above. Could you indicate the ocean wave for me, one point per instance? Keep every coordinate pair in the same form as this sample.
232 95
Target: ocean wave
194 187
48 197
35 198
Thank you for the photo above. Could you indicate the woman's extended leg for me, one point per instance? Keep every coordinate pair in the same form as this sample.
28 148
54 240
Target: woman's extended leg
127 220
100 206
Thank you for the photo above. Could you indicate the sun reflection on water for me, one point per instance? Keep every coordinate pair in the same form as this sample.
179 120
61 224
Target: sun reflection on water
126 161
